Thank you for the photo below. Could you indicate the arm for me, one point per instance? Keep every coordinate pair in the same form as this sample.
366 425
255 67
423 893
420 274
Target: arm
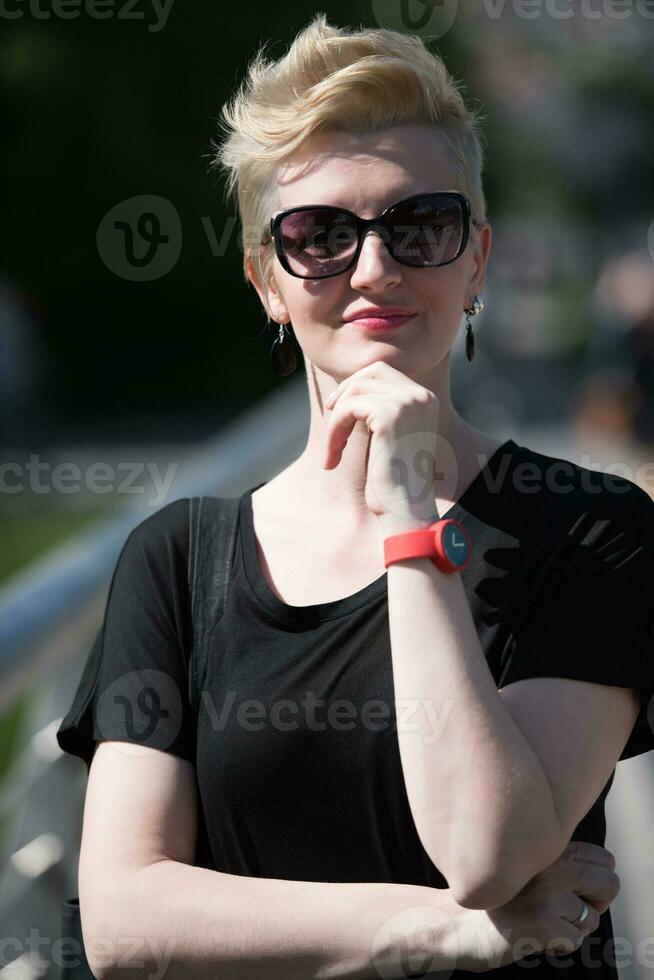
143 899
199 924
148 911
537 753
459 744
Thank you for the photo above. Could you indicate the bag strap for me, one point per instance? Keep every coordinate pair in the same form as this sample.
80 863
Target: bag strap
212 538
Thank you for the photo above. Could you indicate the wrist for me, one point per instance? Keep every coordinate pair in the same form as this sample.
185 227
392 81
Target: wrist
408 515
481 942
415 930
397 524
444 542
469 947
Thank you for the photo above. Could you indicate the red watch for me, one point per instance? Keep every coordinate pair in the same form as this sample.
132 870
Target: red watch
445 542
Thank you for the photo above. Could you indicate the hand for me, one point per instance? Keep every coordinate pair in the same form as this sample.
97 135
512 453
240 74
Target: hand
491 939
401 416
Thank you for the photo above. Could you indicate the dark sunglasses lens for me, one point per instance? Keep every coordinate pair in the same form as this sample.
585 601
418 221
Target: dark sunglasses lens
318 243
427 231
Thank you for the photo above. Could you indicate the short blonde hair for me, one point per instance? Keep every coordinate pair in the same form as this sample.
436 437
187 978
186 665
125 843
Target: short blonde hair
336 80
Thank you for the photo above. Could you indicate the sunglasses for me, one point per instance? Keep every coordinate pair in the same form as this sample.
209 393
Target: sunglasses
316 241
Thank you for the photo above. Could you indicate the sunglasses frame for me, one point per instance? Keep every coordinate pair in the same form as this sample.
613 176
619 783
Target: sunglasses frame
363 224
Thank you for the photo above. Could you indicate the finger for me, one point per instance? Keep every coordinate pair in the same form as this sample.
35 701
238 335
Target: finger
596 884
359 386
580 850
356 408
381 369
572 910
600 907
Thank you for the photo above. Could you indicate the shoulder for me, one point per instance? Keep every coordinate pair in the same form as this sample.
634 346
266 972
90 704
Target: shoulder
166 528
561 488
161 541
154 554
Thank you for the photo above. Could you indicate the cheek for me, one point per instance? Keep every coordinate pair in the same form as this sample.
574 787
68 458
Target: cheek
440 289
321 302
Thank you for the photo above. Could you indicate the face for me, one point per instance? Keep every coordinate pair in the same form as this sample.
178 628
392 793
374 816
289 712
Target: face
366 174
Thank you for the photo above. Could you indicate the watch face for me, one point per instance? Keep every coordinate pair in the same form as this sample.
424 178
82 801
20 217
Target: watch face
455 544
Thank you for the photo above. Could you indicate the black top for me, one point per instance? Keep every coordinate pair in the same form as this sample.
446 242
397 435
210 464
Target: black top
296 754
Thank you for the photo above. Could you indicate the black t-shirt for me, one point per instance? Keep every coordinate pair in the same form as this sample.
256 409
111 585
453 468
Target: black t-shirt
296 753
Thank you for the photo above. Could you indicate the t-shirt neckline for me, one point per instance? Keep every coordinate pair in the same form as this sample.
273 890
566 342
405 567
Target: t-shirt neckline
317 612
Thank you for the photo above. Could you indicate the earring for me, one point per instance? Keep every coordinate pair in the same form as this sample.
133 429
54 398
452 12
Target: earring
282 355
476 308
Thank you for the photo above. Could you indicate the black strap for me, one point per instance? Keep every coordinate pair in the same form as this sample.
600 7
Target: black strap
212 537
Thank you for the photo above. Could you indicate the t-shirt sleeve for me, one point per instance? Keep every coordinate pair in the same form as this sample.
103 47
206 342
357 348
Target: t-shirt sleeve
134 686
593 615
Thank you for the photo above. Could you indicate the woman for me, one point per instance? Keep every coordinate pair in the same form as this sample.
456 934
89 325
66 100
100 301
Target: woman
444 727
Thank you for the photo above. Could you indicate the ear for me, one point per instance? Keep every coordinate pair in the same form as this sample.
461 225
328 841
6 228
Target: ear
481 238
269 293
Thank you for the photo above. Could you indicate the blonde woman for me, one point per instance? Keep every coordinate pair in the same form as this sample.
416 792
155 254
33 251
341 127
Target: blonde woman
409 730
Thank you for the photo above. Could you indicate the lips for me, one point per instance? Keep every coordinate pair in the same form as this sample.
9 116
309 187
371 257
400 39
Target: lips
379 312
381 323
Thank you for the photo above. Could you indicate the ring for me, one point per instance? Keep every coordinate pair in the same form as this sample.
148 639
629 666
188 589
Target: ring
583 915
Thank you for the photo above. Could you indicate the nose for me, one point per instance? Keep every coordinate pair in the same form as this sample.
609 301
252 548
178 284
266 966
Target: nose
375 267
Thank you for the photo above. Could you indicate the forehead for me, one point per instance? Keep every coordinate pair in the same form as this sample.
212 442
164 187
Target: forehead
366 173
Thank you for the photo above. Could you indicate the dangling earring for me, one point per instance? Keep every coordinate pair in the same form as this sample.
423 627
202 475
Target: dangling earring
476 308
282 355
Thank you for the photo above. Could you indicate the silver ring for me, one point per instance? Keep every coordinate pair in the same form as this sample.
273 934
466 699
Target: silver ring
583 915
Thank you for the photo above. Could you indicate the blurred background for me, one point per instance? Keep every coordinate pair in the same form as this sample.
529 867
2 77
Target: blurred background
134 359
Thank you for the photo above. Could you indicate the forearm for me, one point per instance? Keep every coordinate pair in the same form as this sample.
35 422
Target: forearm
478 793
193 923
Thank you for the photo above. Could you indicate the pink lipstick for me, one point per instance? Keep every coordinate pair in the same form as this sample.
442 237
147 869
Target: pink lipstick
371 323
